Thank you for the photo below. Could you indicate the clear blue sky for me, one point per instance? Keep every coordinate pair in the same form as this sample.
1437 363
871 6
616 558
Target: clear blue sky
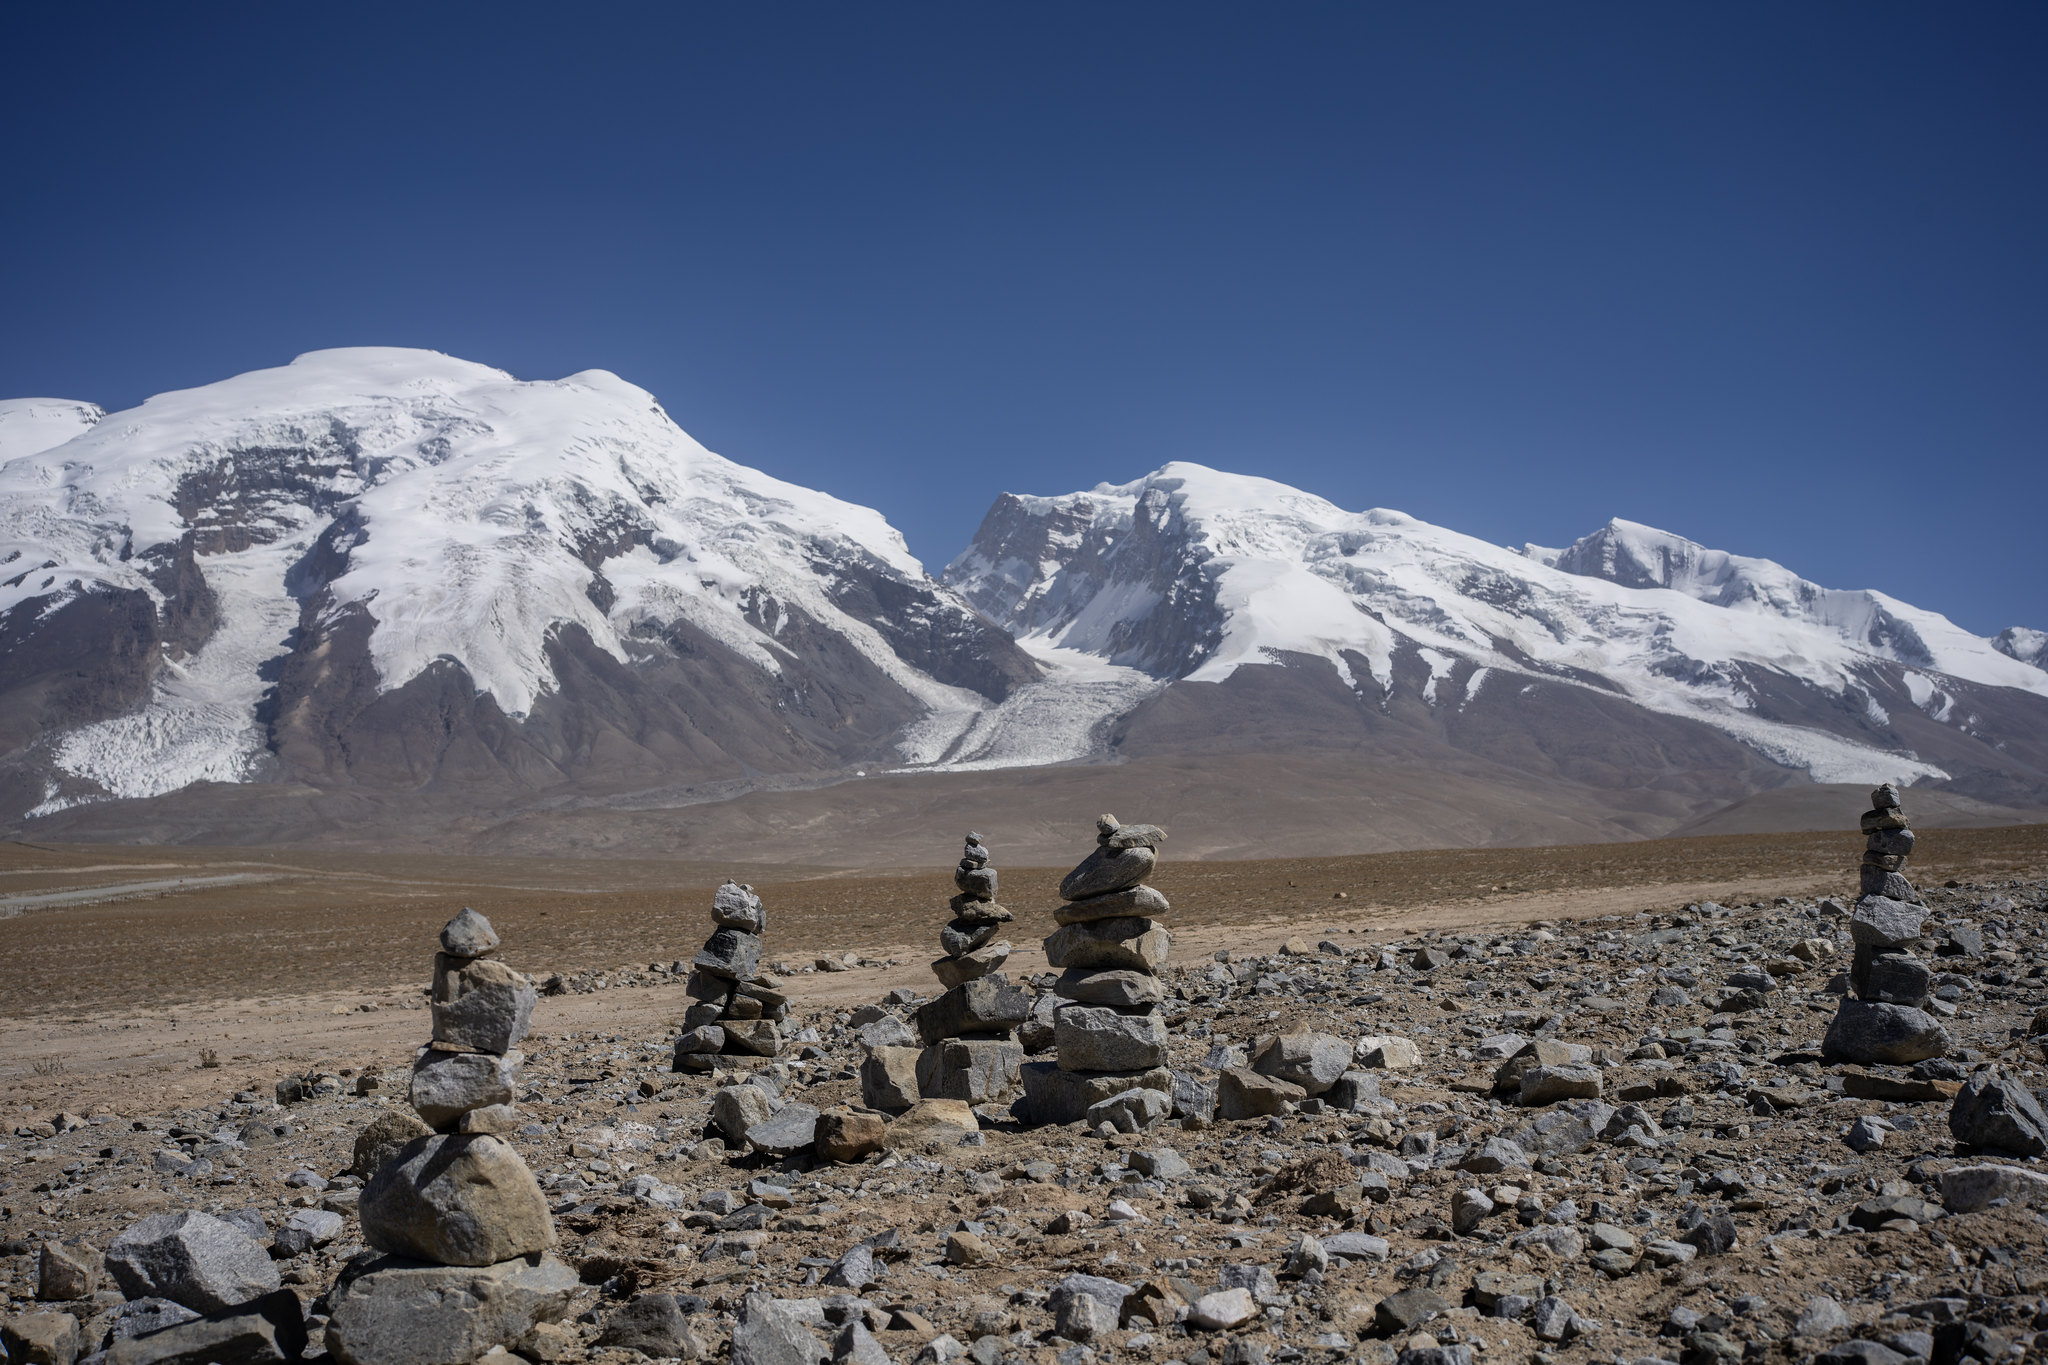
1771 276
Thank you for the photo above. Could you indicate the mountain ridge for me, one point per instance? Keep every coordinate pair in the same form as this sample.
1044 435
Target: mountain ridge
387 571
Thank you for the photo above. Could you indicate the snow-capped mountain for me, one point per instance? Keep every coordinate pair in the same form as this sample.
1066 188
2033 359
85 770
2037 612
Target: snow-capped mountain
398 587
393 567
1193 575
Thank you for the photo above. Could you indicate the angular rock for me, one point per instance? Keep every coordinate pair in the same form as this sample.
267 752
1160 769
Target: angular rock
1999 1114
977 1070
705 1038
753 1037
888 1078
1354 1092
456 1201
1884 923
447 1085
1409 1309
1053 1095
392 1311
1312 1061
1245 1094
1144 901
733 954
1093 1038
192 1259
1223 1310
1970 1189
735 906
1131 1111
965 935
382 1139
654 1325
67 1271
1122 990
305 1230
40 1338
484 1006
1193 1097
1564 1131
1106 870
846 1136
1388 1053
980 911
1868 1033
736 1108
990 1004
1496 1156
934 1121
1109 945
1549 1084
1896 979
267 1329
789 1129
1468 1210
887 1031
955 971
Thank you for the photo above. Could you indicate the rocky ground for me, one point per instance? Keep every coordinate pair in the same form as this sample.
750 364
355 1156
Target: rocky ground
1728 1194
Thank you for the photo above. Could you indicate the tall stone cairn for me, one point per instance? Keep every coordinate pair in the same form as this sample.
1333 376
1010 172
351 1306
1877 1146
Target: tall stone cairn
970 1052
459 1196
1884 1018
738 1005
1111 1038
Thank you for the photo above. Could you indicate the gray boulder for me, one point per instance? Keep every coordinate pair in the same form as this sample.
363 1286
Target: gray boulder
1872 1033
977 1070
456 1201
1092 1038
769 1334
790 1129
1109 945
1131 1111
1124 990
654 1325
1883 922
489 1009
1999 1114
732 954
737 1108
1053 1094
1107 869
734 906
989 1004
468 935
1549 1084
447 1085
192 1259
1897 979
266 1329
1312 1061
305 1230
1146 901
390 1311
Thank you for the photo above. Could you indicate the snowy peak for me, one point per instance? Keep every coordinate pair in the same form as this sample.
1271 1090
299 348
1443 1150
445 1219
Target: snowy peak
1191 573
29 426
410 512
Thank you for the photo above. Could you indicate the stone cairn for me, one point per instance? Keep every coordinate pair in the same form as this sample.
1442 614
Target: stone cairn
1884 1019
970 1052
1111 1041
461 1220
738 1005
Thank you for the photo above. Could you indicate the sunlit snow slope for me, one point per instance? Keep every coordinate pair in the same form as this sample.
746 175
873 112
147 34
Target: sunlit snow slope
1192 574
426 513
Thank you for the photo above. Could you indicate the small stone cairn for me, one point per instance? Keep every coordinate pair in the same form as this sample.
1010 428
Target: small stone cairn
970 1051
1111 1040
738 1005
1884 1020
461 1220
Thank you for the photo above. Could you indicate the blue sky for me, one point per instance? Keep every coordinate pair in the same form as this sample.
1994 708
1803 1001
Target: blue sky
1768 276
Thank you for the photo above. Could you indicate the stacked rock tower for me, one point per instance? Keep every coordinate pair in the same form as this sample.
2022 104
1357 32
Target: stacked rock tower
970 1052
738 1005
1111 1039
459 1196
1884 1018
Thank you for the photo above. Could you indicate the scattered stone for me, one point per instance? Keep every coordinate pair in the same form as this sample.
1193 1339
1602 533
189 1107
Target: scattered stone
192 1259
